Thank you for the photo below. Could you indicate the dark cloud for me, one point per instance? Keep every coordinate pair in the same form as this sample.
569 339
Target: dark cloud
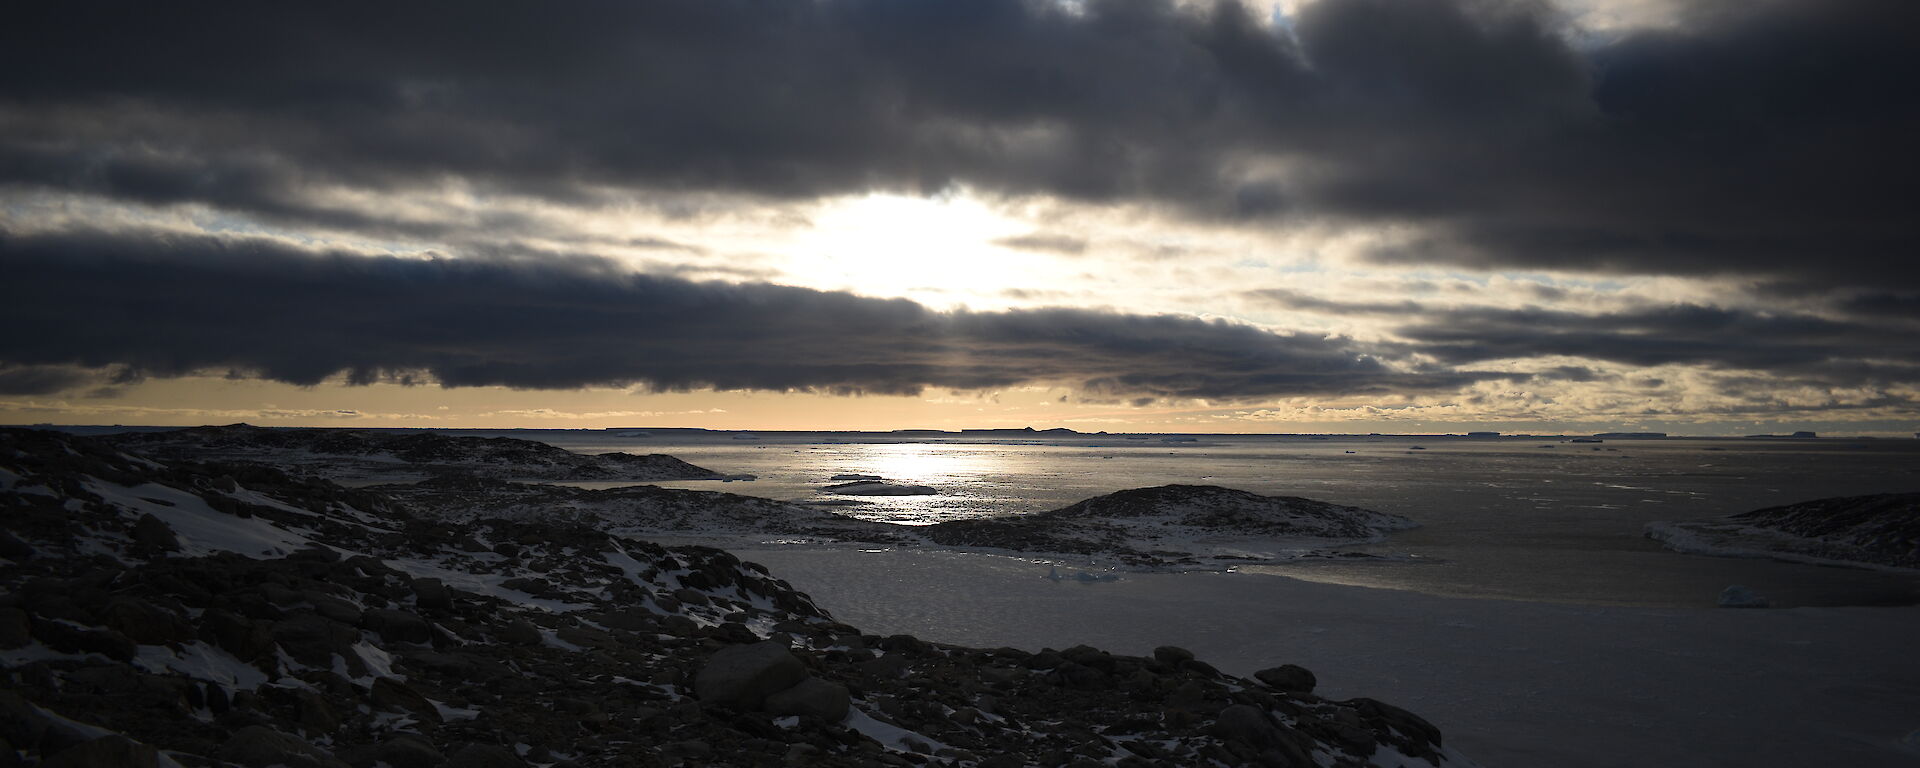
1291 299
40 379
1764 141
1838 352
1888 305
1575 373
178 305
1045 243
1773 140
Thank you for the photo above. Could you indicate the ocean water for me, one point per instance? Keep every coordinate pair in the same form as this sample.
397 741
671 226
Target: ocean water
1514 518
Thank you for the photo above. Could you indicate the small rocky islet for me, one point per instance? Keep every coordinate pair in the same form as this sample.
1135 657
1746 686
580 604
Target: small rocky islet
161 611
1876 531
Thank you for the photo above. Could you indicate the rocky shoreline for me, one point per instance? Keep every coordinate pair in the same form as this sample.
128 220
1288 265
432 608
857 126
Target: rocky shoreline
1876 531
171 612
358 456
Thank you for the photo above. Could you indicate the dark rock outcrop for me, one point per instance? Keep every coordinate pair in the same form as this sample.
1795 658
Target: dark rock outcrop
1877 530
391 636
1162 524
743 675
1288 678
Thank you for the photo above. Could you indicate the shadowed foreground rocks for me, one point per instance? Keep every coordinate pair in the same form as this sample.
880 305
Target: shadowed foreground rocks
224 615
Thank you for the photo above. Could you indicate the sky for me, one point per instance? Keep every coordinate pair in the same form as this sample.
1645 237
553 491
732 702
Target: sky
1690 216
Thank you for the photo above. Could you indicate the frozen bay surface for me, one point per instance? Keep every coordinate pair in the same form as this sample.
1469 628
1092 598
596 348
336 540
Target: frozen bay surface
1512 684
1529 618
1512 517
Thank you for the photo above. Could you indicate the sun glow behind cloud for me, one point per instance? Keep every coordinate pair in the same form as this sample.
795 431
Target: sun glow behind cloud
937 250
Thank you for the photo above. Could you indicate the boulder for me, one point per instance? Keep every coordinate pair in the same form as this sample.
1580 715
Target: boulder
392 695
106 752
235 634
520 632
144 622
21 723
69 639
408 751
432 594
12 548
154 534
313 640
397 626
743 675
484 756
1414 726
257 746
314 713
15 630
1249 725
812 697
679 626
733 632
1287 678
334 608
1171 655
907 644
1073 674
1199 667
631 621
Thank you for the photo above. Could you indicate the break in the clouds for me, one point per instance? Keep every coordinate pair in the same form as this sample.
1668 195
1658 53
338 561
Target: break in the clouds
190 305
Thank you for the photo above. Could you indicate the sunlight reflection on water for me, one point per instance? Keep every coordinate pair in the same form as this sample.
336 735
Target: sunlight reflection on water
1501 518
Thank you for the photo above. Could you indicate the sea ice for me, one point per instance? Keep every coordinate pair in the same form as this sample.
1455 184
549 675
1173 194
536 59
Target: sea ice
1510 683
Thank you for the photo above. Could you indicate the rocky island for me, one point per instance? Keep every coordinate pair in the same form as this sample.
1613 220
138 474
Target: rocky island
1177 525
1880 530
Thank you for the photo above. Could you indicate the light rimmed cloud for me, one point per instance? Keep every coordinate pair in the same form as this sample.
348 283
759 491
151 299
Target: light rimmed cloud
181 305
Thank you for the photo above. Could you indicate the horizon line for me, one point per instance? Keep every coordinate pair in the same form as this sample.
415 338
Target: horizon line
967 431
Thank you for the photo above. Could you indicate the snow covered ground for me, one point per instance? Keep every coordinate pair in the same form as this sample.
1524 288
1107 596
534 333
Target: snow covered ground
1511 684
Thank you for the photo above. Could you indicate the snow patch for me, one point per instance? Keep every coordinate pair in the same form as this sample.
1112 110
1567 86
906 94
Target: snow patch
480 583
889 735
201 662
201 529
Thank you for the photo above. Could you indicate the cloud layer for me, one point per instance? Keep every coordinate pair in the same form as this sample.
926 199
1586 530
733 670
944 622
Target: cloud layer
192 304
1716 210
1768 140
